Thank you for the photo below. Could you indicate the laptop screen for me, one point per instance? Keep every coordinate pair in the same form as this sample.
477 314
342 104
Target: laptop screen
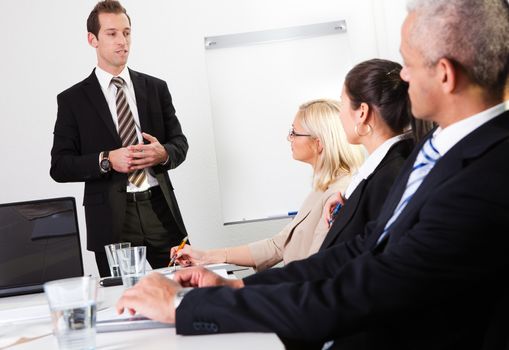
39 242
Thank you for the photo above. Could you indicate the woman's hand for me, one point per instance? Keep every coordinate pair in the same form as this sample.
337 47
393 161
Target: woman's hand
188 256
330 205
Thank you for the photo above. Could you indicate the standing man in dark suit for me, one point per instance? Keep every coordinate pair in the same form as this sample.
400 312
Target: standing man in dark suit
432 271
117 131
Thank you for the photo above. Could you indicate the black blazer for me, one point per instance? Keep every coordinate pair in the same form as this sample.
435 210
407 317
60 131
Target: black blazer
435 284
85 127
367 199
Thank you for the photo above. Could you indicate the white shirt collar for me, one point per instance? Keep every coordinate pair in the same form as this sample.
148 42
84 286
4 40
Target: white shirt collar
378 154
445 139
371 163
105 77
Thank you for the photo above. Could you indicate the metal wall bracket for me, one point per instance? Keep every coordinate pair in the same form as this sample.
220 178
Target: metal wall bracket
274 35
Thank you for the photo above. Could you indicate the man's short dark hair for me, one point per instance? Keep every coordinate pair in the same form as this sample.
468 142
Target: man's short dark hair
106 6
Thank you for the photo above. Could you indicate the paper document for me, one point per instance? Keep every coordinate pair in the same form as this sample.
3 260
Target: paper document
217 268
24 323
23 314
109 321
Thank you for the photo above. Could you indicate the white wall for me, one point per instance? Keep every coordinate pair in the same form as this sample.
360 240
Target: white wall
44 51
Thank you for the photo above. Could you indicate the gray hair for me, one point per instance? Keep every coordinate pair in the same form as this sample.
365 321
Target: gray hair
473 34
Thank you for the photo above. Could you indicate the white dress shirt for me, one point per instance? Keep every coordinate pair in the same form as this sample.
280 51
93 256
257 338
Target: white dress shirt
445 139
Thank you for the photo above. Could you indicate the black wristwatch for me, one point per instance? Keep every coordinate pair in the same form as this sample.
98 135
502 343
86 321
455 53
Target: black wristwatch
105 162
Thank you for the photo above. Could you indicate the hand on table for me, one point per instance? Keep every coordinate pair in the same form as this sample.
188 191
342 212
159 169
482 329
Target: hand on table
152 297
201 277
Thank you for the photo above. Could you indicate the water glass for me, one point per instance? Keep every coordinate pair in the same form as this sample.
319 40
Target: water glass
132 263
111 254
72 303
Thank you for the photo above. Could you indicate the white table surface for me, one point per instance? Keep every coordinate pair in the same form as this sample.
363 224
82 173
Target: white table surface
162 338
167 339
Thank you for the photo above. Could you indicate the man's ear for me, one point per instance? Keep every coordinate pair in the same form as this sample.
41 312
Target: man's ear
448 74
92 40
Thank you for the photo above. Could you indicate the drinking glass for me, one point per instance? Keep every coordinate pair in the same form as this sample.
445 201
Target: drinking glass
132 263
72 303
111 255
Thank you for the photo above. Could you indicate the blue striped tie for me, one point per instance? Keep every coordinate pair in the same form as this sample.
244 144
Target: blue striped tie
425 161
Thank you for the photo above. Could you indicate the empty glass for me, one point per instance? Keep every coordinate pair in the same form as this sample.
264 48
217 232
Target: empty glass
132 263
111 254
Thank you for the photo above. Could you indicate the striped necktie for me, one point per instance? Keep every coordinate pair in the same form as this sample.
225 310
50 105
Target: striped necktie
127 127
424 162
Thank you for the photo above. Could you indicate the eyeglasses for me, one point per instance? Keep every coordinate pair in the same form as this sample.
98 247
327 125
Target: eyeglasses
292 134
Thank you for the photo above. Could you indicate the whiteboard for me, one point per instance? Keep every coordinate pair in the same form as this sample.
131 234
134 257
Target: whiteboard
255 92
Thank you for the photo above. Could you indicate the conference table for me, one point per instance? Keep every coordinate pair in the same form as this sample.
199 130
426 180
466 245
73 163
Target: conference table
29 329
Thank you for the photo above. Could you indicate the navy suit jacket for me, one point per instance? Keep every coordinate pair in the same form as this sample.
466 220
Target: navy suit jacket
436 283
84 128
367 199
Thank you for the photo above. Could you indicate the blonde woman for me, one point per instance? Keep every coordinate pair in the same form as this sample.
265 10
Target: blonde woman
317 138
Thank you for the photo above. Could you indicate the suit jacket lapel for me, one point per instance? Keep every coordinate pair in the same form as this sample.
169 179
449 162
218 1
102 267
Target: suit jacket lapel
140 90
470 147
353 202
303 212
301 215
398 188
94 93
444 169
345 215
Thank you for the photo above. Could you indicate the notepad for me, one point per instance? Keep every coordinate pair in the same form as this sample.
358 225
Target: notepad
109 321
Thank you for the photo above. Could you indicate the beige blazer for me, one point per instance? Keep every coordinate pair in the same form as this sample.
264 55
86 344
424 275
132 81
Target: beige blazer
303 236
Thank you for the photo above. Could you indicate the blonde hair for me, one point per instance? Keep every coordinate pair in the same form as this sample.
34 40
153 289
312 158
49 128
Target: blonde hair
320 119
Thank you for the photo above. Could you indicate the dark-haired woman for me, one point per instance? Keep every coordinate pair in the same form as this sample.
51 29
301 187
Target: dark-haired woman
375 112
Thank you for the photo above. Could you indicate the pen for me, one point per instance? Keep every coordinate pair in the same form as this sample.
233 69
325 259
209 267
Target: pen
334 213
282 216
182 244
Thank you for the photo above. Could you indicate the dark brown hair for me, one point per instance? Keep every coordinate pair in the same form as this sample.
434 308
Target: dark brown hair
106 6
377 82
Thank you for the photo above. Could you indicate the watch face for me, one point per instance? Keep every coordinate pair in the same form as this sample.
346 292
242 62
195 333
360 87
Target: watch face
105 165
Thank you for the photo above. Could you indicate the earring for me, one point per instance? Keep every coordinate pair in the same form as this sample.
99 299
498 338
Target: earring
370 130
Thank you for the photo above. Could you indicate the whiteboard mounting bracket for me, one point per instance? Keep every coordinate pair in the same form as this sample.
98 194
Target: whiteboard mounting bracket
275 35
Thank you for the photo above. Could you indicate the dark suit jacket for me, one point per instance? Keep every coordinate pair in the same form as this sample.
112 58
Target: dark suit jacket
85 127
434 285
367 199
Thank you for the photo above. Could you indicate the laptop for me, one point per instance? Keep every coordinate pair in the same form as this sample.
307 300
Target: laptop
39 242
